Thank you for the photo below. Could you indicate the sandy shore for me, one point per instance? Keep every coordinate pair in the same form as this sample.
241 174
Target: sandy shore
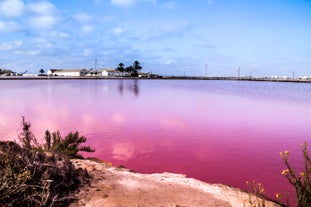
114 187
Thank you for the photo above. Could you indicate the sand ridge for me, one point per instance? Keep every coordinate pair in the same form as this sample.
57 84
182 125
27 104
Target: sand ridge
115 187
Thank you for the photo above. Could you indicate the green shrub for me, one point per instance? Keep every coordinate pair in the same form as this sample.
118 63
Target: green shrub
36 178
70 145
40 175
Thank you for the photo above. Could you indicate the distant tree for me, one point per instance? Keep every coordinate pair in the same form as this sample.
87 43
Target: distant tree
41 71
121 67
134 73
129 69
137 66
0 71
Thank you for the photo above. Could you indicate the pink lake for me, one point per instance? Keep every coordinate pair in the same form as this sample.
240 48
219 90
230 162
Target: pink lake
225 132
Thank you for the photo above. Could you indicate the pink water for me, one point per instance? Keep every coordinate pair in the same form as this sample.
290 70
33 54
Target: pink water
225 132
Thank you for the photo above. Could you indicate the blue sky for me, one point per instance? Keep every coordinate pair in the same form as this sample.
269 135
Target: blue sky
174 37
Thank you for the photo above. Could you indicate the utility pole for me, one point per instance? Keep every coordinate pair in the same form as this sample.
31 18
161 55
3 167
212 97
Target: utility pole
95 64
239 72
206 70
293 75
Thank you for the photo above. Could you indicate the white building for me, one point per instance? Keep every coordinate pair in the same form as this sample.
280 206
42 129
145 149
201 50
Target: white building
67 72
111 73
93 72
144 75
30 75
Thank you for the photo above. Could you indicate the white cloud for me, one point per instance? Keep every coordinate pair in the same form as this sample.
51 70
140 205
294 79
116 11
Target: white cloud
87 29
7 46
12 8
82 17
168 62
9 26
130 2
61 35
123 2
42 22
42 8
32 52
117 30
45 15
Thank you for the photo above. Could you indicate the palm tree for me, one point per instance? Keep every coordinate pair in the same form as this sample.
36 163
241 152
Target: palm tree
137 65
41 71
120 67
129 69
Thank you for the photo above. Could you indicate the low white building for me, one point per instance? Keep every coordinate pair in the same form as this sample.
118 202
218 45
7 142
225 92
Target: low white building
144 75
111 73
67 72
305 77
93 73
30 75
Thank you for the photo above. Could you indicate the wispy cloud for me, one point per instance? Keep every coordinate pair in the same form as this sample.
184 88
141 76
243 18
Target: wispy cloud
123 2
118 30
87 29
42 22
42 8
9 26
82 17
43 15
12 8
131 2
7 46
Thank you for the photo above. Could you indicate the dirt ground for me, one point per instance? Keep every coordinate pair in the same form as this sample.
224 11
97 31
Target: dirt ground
114 187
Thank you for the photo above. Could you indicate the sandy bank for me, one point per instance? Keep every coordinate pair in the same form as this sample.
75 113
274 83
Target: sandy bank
114 187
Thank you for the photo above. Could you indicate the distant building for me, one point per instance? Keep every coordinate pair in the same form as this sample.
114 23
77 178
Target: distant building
305 78
30 75
67 72
144 75
4 72
93 72
111 73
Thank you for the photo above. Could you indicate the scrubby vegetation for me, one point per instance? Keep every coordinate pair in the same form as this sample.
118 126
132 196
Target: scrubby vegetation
40 175
257 196
300 180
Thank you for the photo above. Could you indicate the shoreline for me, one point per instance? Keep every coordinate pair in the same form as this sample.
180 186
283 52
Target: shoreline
111 186
261 79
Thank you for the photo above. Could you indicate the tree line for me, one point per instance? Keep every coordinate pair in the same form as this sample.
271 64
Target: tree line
133 70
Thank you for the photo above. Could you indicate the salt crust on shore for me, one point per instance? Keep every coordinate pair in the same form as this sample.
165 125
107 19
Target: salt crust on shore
114 187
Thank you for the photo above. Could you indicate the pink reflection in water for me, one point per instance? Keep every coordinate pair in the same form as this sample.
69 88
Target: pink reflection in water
215 131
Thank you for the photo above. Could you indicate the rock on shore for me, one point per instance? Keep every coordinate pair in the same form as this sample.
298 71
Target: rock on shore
114 187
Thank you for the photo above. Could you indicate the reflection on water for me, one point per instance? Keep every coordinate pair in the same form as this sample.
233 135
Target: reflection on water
121 87
217 131
132 86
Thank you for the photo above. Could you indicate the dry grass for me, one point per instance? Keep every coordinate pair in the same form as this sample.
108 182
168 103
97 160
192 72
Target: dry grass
33 175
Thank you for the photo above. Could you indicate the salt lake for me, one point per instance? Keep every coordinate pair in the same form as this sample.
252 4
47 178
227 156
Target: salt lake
225 132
